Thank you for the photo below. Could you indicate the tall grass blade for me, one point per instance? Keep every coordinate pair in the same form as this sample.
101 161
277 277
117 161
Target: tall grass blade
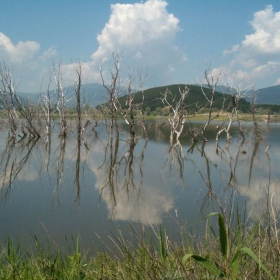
223 235
162 249
222 232
255 258
211 267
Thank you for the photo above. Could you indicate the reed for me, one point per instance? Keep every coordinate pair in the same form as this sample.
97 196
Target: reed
244 252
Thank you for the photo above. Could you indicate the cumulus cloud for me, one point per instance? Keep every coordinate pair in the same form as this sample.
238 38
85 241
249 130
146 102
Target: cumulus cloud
51 52
17 53
266 38
258 55
26 60
145 33
234 48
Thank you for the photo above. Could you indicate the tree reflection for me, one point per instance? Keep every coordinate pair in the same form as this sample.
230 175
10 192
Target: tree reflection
60 166
175 160
122 168
13 159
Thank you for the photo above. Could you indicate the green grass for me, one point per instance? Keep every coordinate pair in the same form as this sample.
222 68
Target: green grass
238 252
204 117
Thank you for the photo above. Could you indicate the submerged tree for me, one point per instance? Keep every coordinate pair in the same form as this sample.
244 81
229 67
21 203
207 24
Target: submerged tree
61 98
232 111
211 83
12 104
117 88
7 90
178 112
46 105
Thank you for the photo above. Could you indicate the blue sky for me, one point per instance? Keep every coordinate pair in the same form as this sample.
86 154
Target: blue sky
174 40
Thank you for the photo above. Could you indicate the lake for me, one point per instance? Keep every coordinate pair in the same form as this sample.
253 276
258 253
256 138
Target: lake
98 185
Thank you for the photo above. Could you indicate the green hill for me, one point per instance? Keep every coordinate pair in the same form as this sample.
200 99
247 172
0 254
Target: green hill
194 100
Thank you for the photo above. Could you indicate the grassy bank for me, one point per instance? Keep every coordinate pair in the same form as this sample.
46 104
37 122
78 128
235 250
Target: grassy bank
243 252
223 118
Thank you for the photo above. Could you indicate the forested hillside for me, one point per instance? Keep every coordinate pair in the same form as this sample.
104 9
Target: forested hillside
194 101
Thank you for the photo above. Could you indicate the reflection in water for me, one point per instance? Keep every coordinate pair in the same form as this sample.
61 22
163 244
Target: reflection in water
13 162
120 179
101 174
175 161
60 165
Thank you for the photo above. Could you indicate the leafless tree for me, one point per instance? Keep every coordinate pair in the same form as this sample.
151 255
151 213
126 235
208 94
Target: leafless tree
13 105
236 93
46 104
178 112
113 89
211 83
7 90
127 109
61 98
78 85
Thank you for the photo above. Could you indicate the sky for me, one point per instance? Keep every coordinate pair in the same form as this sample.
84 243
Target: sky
170 41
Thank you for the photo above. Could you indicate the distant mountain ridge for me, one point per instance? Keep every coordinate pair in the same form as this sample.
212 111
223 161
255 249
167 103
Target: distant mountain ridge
268 95
92 94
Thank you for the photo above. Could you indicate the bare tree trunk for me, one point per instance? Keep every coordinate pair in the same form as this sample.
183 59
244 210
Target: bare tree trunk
61 99
178 113
78 85
212 85
12 104
128 110
46 106
113 89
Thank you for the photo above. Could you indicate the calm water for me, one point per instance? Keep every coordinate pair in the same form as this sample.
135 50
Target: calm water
98 185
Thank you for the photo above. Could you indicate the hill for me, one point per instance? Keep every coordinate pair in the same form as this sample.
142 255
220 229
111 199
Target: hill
268 95
94 94
193 101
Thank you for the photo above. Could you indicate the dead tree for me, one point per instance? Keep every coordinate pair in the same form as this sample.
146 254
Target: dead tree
7 91
178 111
61 98
78 85
236 94
130 107
13 105
113 89
46 105
127 109
211 82
31 115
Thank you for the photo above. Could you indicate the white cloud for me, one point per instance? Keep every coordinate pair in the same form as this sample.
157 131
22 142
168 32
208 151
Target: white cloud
51 52
17 53
266 38
234 48
145 33
26 62
258 55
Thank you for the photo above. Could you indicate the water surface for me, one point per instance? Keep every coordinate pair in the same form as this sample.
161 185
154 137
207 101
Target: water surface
97 184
